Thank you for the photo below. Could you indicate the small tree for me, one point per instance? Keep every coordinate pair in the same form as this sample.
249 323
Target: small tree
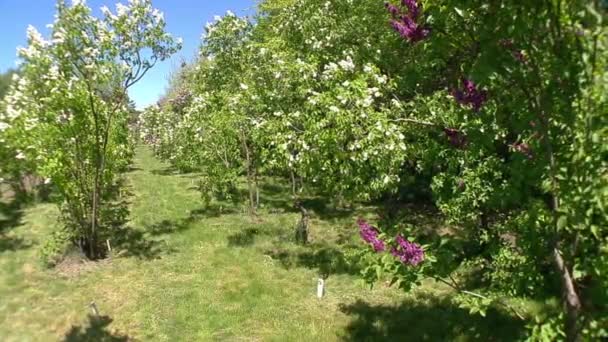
69 110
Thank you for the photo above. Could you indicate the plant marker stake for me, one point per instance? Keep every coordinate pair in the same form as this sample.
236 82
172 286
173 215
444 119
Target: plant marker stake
109 247
320 288
94 309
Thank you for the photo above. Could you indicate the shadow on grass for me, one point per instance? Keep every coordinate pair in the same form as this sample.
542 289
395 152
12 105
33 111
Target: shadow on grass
172 171
428 318
96 330
277 197
132 168
327 260
10 217
215 210
168 171
8 243
169 227
136 243
243 238
323 209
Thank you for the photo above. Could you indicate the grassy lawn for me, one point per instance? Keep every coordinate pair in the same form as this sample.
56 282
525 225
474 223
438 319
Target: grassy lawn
190 273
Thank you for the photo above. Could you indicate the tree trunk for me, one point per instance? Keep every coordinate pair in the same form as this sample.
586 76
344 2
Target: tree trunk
293 183
571 299
250 175
302 226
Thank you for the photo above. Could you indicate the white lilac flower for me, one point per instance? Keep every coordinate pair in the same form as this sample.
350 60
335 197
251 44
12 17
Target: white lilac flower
121 9
347 64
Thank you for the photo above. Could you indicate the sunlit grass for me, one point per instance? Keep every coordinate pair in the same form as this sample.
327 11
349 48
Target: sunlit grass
199 275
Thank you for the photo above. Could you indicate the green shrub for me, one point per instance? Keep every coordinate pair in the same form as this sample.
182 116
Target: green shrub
55 247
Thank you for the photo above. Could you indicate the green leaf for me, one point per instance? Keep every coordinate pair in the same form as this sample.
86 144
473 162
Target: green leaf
562 222
595 231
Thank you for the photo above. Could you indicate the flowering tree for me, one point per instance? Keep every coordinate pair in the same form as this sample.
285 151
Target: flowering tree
497 109
67 113
509 175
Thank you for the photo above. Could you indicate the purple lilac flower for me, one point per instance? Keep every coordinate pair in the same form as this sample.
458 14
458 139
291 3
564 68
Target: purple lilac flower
412 8
370 235
392 9
408 252
470 96
410 30
405 22
456 138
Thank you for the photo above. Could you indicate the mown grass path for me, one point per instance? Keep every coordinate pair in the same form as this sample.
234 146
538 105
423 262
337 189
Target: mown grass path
188 273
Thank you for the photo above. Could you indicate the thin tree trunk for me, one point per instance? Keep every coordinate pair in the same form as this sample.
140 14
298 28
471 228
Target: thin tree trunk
302 226
570 296
293 183
250 174
92 237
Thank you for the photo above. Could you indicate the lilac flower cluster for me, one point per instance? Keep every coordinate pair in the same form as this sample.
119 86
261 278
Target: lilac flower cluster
370 235
408 252
405 23
470 95
456 138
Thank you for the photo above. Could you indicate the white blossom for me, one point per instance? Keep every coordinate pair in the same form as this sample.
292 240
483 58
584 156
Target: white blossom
121 9
347 64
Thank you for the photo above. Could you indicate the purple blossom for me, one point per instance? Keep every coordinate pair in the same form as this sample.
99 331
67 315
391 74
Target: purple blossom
412 8
370 235
392 9
407 252
470 96
409 30
456 138
405 22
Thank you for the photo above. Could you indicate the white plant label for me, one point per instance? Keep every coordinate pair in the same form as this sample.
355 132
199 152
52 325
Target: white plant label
320 288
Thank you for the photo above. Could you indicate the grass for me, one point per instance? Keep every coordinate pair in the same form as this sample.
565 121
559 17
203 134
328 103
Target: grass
188 273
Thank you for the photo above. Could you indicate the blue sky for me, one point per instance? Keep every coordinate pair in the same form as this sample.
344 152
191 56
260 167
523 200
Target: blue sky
185 18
